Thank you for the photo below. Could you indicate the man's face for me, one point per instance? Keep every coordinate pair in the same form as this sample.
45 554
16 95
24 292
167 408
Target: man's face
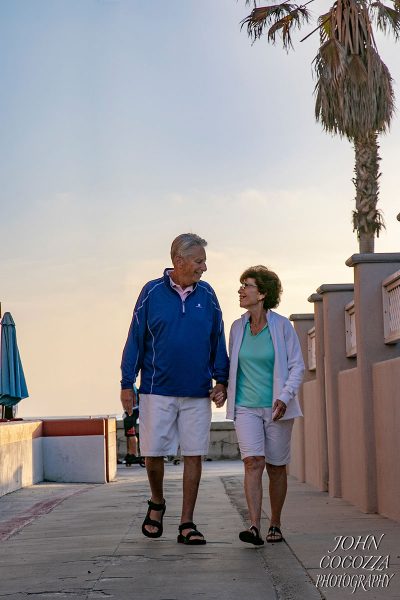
193 265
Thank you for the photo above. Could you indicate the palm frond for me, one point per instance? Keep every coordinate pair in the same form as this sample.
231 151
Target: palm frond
331 61
387 19
356 70
371 223
294 20
282 18
351 25
380 85
325 26
355 97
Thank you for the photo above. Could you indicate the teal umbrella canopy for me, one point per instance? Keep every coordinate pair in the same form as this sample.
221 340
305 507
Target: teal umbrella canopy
12 380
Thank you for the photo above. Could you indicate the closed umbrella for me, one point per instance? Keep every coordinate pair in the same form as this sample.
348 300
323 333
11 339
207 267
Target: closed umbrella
12 380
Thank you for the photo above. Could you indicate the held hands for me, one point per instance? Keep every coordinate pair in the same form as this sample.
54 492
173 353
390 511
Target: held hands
218 395
278 410
128 400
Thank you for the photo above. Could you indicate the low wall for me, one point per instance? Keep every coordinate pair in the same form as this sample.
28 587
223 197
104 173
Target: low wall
223 441
110 427
81 450
21 457
386 388
61 450
75 450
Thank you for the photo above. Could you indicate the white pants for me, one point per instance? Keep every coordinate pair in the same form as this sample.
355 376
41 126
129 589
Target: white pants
167 422
259 435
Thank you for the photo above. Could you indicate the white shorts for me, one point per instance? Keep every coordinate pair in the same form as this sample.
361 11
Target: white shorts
259 435
167 422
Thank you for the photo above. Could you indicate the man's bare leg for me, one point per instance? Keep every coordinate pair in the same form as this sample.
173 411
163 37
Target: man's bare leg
191 480
155 474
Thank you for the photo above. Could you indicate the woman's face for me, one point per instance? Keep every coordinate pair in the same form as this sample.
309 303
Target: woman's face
249 296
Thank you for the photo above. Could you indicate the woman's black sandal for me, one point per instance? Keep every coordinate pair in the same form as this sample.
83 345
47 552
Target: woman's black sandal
251 536
187 539
152 522
274 531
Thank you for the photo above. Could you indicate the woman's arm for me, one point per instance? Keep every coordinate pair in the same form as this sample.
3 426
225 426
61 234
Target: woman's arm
295 363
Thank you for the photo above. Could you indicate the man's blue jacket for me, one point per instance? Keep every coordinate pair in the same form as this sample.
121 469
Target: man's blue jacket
178 346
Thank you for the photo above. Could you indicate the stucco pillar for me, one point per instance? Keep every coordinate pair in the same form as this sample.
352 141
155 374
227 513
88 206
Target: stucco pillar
316 452
302 323
334 299
369 271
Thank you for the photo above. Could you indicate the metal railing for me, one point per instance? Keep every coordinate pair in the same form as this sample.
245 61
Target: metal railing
391 308
312 360
350 327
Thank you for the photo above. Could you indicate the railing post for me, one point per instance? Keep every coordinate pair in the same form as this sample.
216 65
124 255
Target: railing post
360 486
301 323
316 451
334 299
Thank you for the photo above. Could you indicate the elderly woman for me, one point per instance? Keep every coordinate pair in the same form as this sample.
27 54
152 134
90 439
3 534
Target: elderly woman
266 370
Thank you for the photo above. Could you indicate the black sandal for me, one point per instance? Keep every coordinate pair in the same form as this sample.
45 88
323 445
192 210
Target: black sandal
251 536
152 522
187 539
274 531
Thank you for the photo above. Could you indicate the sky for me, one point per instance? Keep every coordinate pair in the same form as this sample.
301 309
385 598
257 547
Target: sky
125 123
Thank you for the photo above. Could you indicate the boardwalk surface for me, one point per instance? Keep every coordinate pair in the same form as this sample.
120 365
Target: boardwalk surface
62 541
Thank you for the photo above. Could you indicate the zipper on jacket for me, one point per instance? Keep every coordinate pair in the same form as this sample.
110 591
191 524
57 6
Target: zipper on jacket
183 307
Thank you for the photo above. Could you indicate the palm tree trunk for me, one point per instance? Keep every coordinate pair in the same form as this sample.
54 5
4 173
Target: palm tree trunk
367 219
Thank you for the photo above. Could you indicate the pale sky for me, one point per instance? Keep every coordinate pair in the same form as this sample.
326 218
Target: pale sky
127 122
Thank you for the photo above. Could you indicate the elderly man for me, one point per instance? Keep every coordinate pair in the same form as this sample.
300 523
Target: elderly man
176 340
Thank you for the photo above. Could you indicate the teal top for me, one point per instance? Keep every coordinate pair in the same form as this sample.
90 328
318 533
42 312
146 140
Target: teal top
255 374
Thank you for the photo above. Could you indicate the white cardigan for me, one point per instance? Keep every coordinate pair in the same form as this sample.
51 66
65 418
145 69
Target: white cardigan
288 366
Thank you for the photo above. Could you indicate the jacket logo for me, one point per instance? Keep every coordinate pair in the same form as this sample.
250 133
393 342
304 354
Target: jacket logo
198 305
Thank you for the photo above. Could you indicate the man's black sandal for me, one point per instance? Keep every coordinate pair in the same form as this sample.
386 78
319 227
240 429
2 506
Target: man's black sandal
251 536
148 521
274 531
187 539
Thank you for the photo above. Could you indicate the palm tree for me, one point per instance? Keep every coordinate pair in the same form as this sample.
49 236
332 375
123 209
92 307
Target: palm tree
354 93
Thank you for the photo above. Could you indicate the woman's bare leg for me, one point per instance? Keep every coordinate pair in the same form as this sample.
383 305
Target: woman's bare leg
253 472
277 491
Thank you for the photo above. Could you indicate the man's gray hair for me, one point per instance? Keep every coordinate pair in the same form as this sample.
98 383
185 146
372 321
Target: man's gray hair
183 243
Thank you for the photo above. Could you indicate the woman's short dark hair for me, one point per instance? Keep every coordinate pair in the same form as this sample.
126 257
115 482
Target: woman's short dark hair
267 282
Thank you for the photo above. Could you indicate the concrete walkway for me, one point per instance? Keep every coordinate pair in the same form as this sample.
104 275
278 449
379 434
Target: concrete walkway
64 541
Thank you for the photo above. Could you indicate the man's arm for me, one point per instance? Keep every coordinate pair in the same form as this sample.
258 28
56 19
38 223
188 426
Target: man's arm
220 367
128 400
132 356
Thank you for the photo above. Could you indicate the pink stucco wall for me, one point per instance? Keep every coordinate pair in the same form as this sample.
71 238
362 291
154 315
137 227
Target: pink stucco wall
297 463
302 323
352 463
314 437
369 272
334 299
386 386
